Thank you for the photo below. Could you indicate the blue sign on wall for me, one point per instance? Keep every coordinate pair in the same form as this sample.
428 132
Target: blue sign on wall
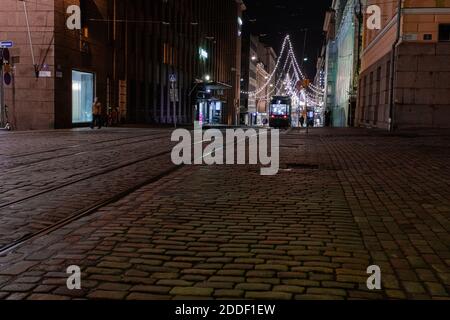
6 44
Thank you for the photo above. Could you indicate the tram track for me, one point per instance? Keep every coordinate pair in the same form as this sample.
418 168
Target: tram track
78 145
78 214
96 174
29 164
88 209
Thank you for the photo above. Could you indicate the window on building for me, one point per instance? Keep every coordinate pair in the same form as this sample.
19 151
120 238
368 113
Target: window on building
444 32
84 8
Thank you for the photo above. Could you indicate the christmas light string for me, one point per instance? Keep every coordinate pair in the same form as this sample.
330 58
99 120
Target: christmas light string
313 94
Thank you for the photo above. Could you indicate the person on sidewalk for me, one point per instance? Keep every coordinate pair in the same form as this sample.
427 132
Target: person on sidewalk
302 121
96 114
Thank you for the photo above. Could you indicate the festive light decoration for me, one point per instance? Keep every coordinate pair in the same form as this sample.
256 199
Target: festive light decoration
313 94
289 74
269 80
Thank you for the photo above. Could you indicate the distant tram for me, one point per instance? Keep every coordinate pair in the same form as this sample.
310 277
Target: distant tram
280 112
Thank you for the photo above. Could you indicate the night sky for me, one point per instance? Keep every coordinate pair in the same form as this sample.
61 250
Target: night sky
276 18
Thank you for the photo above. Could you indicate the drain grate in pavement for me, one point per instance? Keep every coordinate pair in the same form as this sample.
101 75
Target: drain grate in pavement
301 166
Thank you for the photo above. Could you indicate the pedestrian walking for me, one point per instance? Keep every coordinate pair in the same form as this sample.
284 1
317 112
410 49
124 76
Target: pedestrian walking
96 114
302 121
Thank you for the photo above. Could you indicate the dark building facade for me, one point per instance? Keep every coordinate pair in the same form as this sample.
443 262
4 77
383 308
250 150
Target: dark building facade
158 61
180 60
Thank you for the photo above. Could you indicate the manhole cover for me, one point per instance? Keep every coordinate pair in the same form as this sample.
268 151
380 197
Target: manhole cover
301 166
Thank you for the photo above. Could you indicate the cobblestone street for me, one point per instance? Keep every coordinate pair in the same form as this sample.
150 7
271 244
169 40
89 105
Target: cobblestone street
112 202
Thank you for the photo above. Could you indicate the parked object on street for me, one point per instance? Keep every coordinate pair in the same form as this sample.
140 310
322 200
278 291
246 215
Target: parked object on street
7 126
113 117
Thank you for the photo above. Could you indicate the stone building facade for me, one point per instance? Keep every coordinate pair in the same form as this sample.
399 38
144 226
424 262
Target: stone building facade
43 59
405 69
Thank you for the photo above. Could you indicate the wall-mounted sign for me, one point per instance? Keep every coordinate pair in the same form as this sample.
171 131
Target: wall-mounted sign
410 37
45 74
6 44
7 78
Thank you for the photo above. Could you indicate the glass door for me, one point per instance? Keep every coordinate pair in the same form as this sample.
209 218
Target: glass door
82 96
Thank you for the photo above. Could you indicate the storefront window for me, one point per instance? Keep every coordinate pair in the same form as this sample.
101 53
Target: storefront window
82 96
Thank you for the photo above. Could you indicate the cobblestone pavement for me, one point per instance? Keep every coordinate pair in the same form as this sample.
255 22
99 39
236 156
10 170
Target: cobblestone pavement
344 200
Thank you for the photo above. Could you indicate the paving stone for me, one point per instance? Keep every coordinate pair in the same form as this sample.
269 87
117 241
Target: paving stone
146 296
291 289
265 295
228 293
151 289
326 291
46 297
192 291
17 268
107 295
413 287
114 287
253 286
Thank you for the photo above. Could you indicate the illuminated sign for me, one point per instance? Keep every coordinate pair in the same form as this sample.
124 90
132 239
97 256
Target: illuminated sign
203 54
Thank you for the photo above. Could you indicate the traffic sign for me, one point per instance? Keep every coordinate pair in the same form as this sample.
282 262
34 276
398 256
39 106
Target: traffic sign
7 78
173 95
6 44
172 78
